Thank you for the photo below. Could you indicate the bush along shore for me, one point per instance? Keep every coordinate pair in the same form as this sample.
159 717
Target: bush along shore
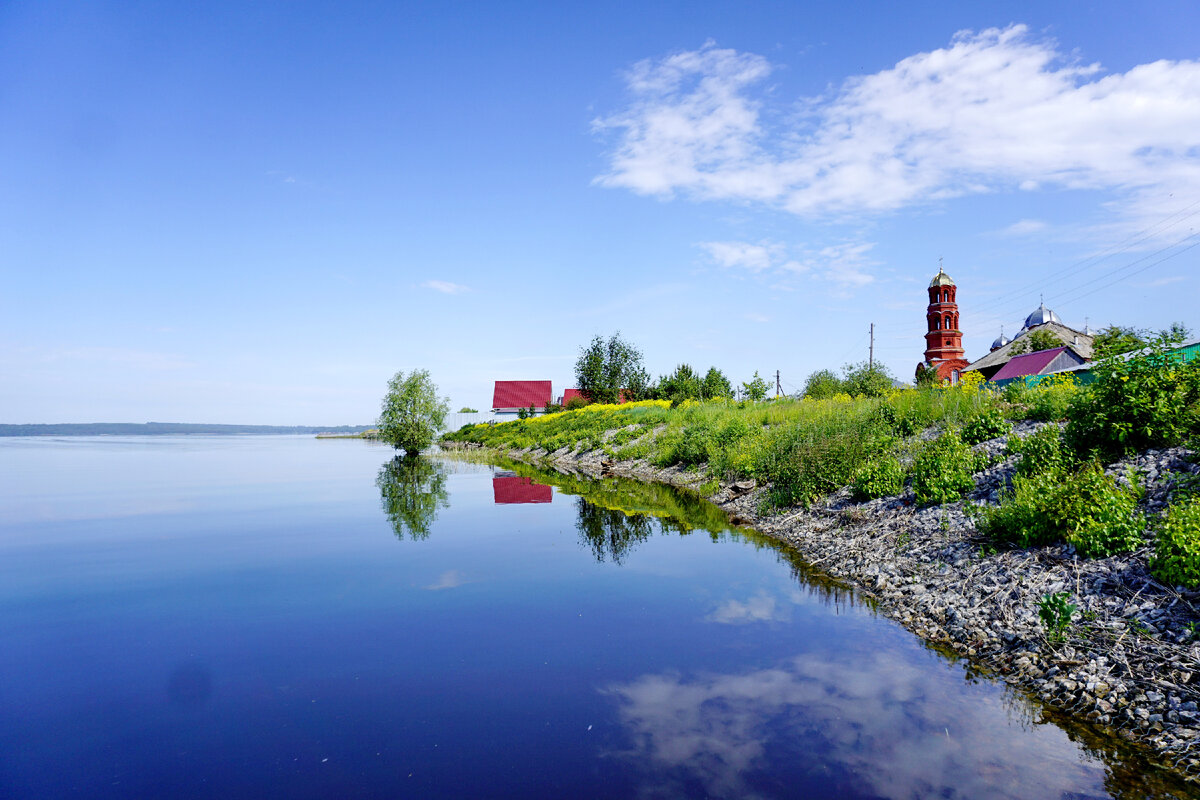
1050 535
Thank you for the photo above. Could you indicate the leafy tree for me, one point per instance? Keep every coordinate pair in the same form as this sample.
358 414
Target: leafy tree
866 380
412 489
682 384
575 403
715 385
1116 339
468 410
821 384
1044 340
412 413
604 368
756 389
927 376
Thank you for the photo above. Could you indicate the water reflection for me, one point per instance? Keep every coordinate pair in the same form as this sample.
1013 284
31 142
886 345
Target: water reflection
608 533
856 726
412 489
508 488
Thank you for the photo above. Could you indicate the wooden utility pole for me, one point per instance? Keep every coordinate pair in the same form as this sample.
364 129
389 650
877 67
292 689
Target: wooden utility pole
871 357
778 388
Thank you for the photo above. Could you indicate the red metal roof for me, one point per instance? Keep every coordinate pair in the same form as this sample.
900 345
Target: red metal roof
513 489
570 393
1028 364
521 394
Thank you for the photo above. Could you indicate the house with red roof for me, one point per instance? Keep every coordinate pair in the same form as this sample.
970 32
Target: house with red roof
1039 363
510 396
571 394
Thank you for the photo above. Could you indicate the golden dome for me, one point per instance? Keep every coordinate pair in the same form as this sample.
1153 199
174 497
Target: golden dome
941 279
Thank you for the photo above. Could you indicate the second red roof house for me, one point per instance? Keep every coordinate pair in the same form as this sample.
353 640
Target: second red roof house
509 396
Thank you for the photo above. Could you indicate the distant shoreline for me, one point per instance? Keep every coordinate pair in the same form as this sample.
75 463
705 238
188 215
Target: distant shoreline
167 429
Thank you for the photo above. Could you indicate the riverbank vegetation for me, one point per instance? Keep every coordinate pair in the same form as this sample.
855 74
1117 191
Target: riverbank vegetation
920 440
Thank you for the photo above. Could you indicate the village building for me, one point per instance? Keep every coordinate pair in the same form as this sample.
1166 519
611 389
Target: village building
570 394
943 339
509 398
1075 348
1008 358
1039 363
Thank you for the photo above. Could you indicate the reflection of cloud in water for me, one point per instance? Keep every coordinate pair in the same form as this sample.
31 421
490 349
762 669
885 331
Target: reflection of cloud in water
872 726
760 608
448 580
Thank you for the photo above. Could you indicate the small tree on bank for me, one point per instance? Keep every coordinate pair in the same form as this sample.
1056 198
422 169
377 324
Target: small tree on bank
866 380
715 385
821 384
605 368
756 388
412 413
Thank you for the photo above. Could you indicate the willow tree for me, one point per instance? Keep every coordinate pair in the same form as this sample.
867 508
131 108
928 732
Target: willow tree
412 412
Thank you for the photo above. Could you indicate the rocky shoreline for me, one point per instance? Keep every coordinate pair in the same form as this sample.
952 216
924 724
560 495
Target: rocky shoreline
1130 659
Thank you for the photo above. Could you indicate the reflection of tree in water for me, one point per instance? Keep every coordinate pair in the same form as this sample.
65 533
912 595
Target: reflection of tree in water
611 534
412 489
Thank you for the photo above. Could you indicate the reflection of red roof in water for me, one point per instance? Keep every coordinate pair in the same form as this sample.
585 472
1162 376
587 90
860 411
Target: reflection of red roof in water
512 489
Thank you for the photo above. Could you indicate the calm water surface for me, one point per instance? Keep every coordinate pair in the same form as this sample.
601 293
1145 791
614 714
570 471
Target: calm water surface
252 617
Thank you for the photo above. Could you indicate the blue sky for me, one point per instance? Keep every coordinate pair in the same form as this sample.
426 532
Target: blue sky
257 213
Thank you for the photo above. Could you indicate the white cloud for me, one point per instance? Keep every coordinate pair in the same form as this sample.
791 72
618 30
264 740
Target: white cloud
1024 227
753 257
846 264
754 316
1166 281
993 111
446 287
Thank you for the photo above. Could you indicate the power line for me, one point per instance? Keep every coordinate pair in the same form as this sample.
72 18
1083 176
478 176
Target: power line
1135 272
1078 266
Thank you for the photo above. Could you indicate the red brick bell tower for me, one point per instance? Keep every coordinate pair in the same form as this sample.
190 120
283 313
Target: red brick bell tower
943 339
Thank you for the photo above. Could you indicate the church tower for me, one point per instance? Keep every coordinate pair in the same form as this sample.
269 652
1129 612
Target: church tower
943 339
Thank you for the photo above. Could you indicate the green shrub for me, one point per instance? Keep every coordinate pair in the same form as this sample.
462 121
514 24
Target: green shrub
1150 400
1087 509
1177 553
1016 392
1101 516
1041 452
987 424
878 477
1051 399
1026 514
694 445
942 470
900 422
818 455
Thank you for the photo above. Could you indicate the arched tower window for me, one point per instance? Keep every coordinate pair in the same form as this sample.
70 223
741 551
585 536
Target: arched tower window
948 322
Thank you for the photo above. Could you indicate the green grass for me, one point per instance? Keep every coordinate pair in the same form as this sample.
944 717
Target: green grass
803 448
